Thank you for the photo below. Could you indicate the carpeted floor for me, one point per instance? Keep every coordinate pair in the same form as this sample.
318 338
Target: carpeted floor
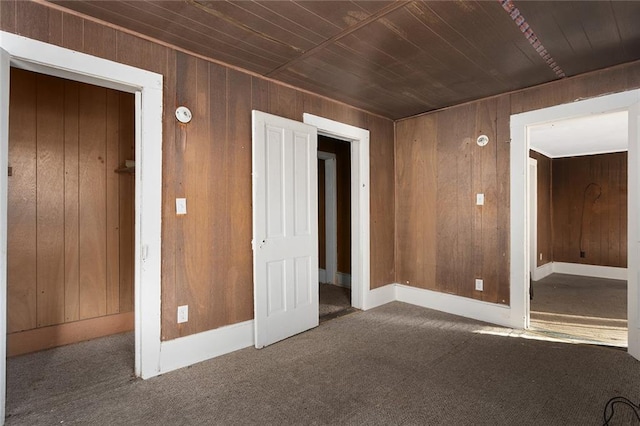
587 309
334 300
394 365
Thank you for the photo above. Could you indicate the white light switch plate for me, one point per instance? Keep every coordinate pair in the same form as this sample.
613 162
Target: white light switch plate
183 313
181 206
479 285
480 199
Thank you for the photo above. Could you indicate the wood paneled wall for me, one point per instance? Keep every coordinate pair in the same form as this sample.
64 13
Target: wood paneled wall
206 254
70 216
342 150
544 224
443 240
590 209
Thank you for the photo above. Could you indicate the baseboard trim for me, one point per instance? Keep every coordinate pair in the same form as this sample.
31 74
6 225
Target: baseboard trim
542 271
609 272
189 350
457 305
344 280
379 296
322 275
23 342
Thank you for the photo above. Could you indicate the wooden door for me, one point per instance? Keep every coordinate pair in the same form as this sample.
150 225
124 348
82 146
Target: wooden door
285 228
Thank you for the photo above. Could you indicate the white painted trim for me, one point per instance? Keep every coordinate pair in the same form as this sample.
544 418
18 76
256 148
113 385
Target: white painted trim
322 275
54 60
343 280
380 296
597 271
599 152
330 215
188 350
360 219
543 271
5 71
463 306
519 153
532 197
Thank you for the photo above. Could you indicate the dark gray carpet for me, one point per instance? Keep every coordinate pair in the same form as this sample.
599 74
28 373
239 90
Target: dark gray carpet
397 364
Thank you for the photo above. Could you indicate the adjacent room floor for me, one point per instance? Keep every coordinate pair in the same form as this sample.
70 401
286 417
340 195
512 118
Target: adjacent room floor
335 301
584 309
396 364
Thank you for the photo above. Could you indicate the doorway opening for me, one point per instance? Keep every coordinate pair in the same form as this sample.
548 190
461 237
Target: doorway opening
24 53
578 228
527 267
334 227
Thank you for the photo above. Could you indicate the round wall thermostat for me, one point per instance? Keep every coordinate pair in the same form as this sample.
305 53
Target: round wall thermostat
483 140
183 114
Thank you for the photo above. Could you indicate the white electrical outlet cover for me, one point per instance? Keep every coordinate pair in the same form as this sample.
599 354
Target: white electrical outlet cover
479 285
183 313
479 199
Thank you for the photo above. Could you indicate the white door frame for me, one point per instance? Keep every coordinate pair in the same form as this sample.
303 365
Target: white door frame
360 215
532 197
519 152
147 86
330 216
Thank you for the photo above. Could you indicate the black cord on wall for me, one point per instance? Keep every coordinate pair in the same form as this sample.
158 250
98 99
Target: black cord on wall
584 199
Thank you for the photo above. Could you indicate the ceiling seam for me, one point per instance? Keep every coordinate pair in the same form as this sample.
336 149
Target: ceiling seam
369 20
519 19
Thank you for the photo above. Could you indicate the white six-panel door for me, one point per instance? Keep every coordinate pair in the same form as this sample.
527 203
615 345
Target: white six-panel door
285 228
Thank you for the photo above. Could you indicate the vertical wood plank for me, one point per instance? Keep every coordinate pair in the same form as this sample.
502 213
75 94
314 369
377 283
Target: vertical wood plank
171 182
50 200
92 199
112 206
416 201
382 191
240 276
32 20
126 196
21 214
503 196
222 168
71 204
486 119
72 33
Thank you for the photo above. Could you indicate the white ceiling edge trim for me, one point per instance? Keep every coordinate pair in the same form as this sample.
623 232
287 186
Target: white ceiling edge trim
582 154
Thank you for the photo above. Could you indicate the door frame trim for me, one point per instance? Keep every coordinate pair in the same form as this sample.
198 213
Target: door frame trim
330 215
360 201
147 86
519 178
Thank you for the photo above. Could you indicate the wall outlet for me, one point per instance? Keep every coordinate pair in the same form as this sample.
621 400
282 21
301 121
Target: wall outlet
479 284
540 256
183 313
479 199
583 254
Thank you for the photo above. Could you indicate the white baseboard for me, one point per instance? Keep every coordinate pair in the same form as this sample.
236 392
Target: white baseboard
457 305
344 280
322 275
542 271
379 296
188 350
609 272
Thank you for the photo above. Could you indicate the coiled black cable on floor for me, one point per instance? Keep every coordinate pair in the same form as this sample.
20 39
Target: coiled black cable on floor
619 400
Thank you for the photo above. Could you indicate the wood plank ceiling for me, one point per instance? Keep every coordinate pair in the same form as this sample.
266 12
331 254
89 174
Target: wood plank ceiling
393 58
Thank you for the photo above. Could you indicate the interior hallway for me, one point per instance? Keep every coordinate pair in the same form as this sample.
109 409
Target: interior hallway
583 309
335 301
